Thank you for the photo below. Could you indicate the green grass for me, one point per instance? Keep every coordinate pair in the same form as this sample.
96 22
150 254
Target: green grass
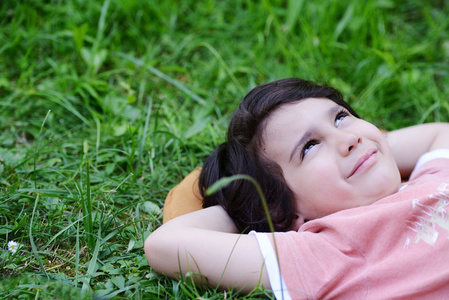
107 105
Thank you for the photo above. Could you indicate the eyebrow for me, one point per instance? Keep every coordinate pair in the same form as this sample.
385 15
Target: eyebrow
310 132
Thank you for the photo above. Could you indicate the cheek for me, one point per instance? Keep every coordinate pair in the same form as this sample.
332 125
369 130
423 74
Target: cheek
372 132
315 181
323 171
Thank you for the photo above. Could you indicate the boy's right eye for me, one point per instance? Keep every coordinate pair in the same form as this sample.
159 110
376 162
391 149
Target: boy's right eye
307 147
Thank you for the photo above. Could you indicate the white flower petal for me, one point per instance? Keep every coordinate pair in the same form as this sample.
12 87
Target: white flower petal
12 246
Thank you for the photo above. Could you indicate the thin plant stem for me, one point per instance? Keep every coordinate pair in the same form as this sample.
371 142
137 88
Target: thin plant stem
33 245
36 149
227 180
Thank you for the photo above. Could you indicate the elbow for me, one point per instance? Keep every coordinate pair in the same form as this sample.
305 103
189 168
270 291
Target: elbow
160 248
152 247
149 249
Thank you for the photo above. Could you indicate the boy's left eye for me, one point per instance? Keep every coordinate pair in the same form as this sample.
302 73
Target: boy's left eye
340 116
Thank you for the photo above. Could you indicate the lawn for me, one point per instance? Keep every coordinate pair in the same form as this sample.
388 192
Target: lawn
106 105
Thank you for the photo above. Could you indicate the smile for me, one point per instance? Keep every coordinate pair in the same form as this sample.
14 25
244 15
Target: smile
364 162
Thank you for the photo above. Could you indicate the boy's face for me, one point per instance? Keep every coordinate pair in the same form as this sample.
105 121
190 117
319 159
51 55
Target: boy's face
330 159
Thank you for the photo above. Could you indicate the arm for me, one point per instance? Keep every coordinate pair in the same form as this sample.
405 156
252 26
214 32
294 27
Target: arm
207 242
409 143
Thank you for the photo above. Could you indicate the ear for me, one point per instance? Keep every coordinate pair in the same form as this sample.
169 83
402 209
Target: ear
298 222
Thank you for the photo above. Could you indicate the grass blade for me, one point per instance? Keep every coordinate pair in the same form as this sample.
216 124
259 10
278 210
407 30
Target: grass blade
88 209
36 149
176 83
33 245
92 266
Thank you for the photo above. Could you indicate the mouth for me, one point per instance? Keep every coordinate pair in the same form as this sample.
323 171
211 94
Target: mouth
364 162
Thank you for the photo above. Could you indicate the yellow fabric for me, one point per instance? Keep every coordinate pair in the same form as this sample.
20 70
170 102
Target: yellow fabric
184 197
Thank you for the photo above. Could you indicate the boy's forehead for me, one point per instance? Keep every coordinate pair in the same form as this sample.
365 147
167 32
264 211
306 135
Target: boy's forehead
294 116
298 114
309 104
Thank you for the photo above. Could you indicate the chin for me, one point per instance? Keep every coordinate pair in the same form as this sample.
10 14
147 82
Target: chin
394 188
392 183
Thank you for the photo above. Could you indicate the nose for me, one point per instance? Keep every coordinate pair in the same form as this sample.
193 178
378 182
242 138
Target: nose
347 142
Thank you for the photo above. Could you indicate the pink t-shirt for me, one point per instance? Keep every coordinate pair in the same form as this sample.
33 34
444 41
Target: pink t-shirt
397 247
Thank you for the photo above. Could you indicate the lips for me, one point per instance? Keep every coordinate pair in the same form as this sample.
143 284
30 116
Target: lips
362 161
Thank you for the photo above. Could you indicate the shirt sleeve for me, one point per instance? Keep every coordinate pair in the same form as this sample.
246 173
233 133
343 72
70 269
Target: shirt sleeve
423 166
426 157
277 282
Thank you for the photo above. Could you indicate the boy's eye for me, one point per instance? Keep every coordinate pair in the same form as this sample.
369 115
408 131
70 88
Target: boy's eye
340 116
307 147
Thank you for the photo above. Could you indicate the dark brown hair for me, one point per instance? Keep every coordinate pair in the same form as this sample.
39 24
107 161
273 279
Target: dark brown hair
241 154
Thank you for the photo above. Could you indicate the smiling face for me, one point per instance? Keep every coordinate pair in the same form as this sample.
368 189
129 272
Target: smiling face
330 159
